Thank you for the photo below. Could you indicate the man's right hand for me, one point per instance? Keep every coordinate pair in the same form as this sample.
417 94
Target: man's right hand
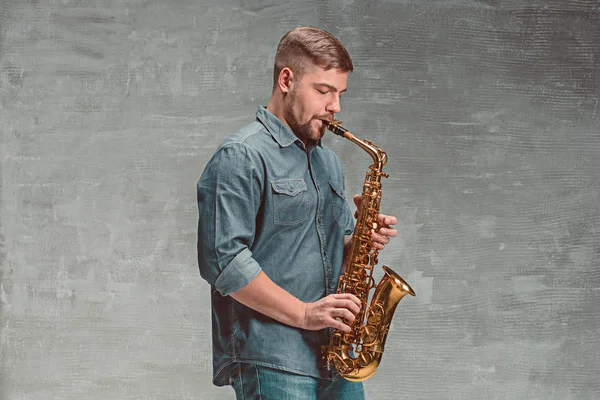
325 312
266 297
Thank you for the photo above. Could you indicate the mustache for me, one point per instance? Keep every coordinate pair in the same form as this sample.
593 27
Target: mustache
328 117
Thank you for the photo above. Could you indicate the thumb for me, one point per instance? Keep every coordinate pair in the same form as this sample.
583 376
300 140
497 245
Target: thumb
357 200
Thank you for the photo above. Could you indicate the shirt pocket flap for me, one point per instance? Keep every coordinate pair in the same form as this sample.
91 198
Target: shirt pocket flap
291 187
337 188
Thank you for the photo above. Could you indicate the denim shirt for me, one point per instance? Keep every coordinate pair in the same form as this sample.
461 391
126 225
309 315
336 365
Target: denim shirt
266 202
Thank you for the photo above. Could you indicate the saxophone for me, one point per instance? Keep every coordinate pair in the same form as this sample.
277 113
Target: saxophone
356 355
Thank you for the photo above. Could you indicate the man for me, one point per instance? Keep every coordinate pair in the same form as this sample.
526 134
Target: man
273 229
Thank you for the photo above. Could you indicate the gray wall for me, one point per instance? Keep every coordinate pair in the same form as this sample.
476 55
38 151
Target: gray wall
488 110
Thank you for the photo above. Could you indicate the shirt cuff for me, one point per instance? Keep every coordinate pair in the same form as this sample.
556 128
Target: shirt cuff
238 273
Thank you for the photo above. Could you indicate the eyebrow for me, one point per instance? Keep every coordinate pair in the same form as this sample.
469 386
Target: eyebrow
330 87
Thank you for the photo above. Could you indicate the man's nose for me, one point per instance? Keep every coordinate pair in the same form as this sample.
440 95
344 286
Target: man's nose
334 106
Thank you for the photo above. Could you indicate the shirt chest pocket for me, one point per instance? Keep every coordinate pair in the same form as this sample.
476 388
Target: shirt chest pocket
339 205
290 201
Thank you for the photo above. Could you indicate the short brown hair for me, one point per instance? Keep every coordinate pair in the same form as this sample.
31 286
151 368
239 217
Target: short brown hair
306 45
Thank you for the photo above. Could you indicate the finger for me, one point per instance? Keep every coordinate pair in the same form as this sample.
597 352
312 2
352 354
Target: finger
389 232
346 304
357 200
344 314
387 220
378 246
380 238
341 326
349 296
346 301
337 323
354 307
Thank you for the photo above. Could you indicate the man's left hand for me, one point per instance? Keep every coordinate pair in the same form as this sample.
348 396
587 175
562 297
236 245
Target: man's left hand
385 231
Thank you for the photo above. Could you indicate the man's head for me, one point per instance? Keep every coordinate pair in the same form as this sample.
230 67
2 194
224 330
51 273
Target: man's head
311 71
305 47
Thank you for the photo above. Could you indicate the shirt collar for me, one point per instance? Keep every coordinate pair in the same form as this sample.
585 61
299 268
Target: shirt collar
280 131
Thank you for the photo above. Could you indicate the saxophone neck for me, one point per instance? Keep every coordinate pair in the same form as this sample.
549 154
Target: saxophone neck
379 156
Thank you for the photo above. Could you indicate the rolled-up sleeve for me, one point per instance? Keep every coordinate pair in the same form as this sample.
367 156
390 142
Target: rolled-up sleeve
229 196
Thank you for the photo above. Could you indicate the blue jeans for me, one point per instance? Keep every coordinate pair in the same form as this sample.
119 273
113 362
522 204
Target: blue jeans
255 382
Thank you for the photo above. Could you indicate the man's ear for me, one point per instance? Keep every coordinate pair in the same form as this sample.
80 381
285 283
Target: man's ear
285 79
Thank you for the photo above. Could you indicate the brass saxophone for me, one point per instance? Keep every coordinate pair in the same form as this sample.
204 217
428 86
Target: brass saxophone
357 355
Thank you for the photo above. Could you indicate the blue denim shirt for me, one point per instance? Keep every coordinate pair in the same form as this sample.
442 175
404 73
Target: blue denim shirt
266 202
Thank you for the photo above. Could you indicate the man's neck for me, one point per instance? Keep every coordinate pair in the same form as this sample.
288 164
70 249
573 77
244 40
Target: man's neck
275 107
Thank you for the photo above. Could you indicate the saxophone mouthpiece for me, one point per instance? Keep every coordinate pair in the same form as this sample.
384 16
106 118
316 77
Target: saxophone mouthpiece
335 127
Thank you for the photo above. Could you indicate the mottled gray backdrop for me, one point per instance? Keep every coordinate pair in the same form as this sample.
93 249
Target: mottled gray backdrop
488 109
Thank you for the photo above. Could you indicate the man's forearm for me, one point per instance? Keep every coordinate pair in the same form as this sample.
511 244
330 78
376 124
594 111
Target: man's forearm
266 297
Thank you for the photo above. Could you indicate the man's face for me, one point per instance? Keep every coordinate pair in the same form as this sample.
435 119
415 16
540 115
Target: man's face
312 98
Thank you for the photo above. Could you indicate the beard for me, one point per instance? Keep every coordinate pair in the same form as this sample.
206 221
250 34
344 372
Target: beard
306 131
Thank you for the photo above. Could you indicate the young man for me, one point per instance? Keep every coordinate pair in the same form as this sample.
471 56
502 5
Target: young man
273 227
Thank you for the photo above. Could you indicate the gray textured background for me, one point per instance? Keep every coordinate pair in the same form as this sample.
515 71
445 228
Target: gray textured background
488 110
